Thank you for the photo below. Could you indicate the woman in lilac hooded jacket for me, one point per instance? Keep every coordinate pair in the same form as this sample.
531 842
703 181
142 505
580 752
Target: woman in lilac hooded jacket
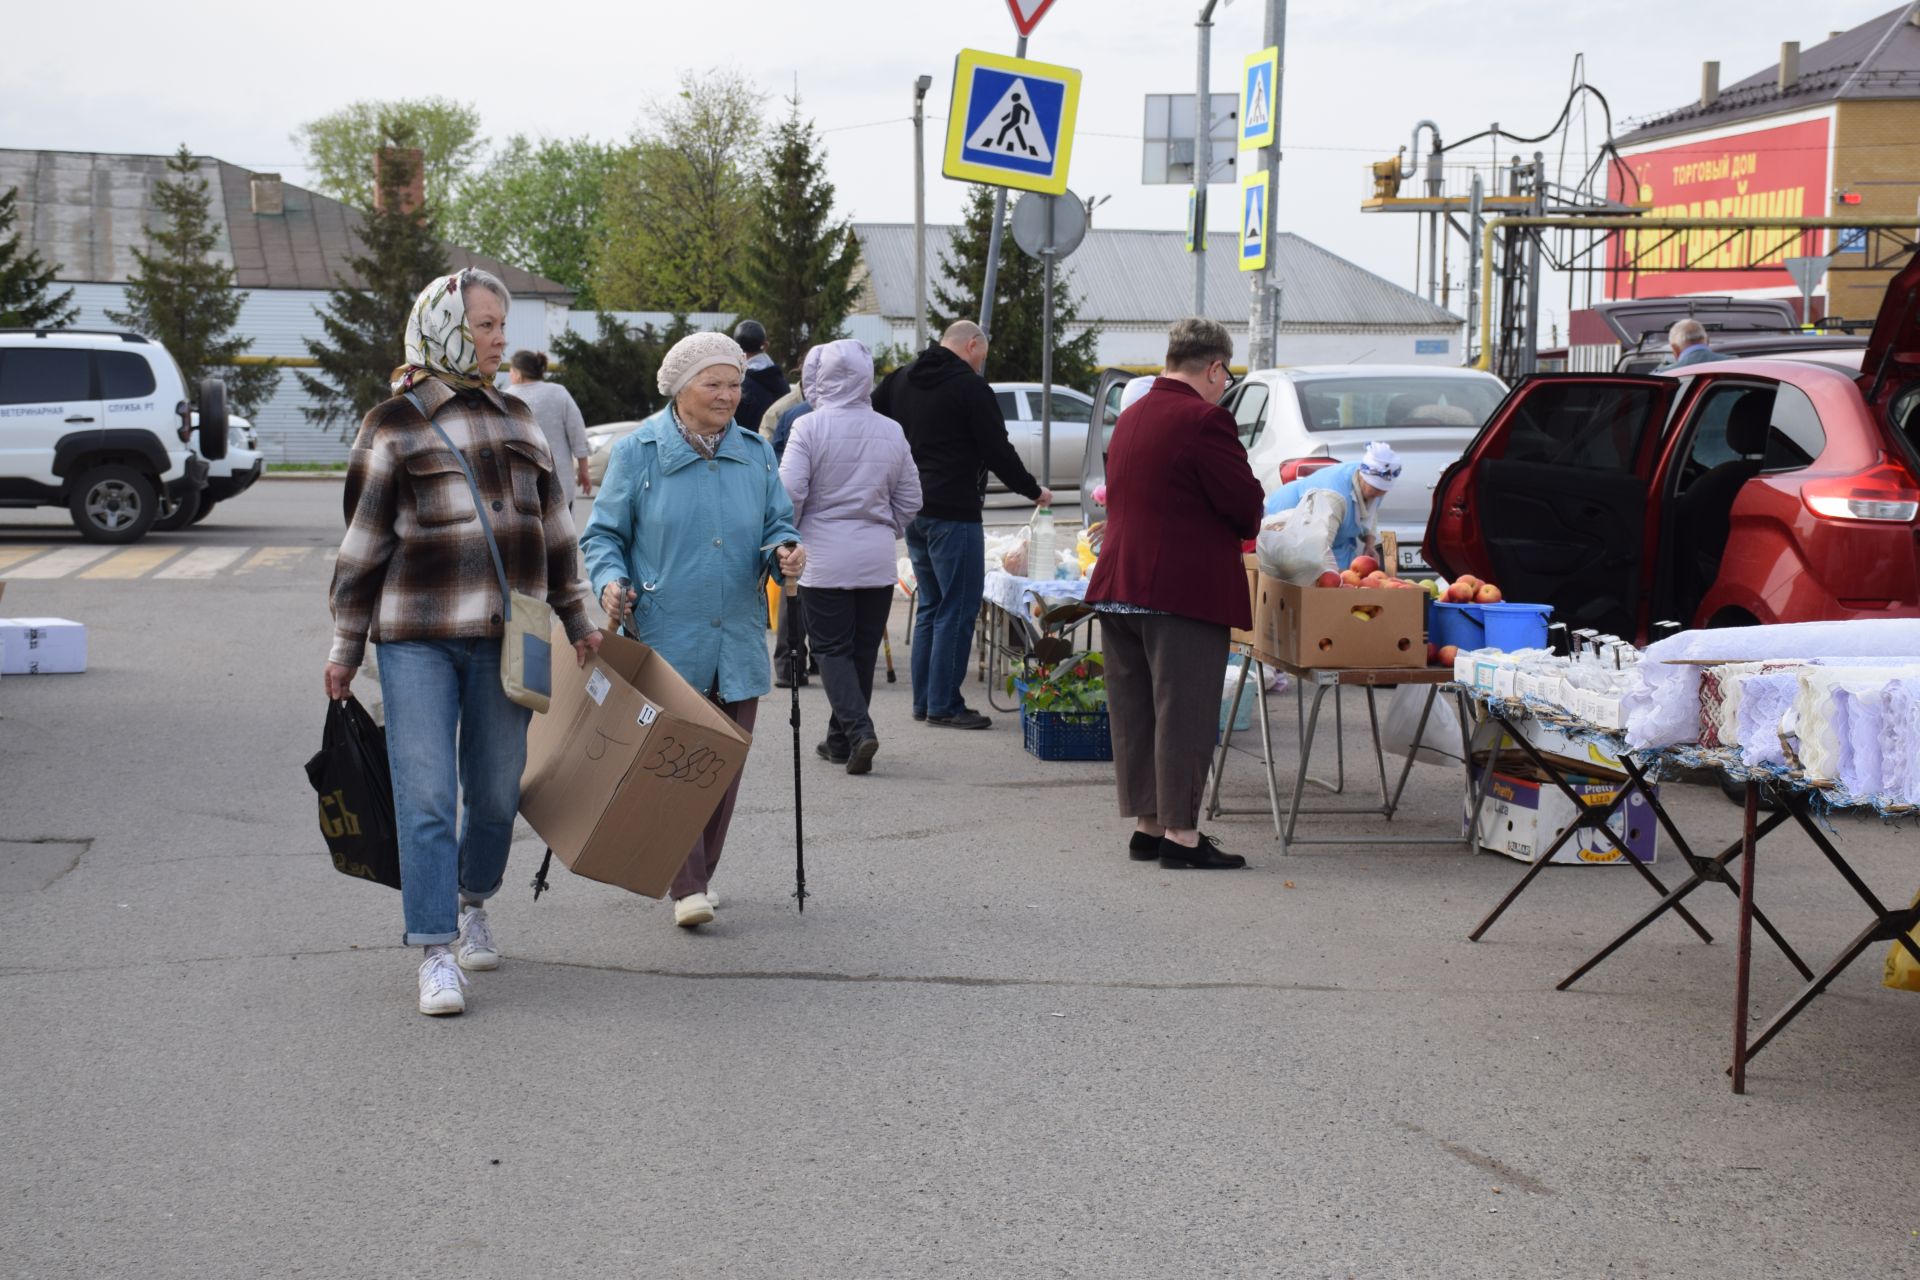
854 488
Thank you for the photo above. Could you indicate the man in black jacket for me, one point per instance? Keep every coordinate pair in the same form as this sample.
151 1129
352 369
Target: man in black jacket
763 382
956 431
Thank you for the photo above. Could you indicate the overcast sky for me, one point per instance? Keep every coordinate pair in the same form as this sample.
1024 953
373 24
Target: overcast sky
233 79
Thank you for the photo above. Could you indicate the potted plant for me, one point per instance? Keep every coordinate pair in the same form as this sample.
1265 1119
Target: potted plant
1063 707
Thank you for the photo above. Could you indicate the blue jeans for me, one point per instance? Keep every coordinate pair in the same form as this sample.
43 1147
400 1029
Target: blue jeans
451 734
950 566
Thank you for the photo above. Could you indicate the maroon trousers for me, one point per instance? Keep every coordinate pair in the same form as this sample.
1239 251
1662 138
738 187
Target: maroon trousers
700 864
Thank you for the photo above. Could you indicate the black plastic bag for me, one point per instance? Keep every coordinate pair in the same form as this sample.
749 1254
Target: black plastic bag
350 775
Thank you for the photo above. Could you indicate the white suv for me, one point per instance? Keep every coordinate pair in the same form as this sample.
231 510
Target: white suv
99 422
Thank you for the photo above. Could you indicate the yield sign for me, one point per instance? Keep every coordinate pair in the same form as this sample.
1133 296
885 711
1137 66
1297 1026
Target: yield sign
1027 13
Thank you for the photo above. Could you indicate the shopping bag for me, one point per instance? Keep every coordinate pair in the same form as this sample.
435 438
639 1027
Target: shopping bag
1297 544
1440 744
1903 971
355 788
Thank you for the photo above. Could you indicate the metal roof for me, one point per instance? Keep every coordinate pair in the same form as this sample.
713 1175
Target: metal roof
1146 277
1877 60
87 211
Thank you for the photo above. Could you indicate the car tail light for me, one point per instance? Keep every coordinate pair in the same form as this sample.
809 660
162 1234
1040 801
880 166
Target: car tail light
1293 468
1887 492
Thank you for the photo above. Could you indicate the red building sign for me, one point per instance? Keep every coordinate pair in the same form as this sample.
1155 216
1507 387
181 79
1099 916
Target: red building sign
1766 173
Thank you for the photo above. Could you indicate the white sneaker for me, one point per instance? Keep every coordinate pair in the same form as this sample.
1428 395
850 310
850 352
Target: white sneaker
440 984
694 909
476 950
713 900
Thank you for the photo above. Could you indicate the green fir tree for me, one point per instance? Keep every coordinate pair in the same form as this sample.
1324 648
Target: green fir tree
615 377
26 299
182 296
1014 355
796 275
366 323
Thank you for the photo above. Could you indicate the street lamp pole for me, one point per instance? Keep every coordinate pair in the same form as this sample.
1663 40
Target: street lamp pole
1202 159
920 88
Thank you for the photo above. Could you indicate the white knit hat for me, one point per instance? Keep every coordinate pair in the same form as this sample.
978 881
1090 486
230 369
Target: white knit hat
695 352
1381 465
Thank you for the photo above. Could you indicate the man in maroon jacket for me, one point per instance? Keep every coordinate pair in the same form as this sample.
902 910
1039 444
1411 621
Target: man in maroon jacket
1169 585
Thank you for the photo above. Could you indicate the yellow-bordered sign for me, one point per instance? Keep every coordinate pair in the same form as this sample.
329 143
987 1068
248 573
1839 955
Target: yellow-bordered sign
1255 194
1010 122
1259 98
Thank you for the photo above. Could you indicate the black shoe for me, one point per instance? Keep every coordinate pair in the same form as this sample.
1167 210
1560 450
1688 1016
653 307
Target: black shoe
1207 856
828 754
1143 847
966 719
861 760
919 715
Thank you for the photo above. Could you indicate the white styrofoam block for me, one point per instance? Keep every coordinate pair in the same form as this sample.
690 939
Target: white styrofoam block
42 646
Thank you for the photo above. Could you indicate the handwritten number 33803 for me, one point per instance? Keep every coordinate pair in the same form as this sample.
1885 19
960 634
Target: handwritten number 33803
672 761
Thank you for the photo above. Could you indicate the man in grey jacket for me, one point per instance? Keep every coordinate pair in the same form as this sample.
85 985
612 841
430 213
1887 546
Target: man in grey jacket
1688 342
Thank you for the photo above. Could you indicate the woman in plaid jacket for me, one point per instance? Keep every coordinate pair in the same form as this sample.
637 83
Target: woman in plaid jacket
415 574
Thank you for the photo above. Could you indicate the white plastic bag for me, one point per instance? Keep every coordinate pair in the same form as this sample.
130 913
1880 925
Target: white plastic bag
1440 744
1009 552
1297 545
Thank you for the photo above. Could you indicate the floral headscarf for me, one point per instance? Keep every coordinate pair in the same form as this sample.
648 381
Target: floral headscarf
439 344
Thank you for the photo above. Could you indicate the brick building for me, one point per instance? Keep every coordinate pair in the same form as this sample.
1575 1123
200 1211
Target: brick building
1837 120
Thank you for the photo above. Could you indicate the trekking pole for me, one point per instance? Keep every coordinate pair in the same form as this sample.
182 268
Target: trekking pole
789 591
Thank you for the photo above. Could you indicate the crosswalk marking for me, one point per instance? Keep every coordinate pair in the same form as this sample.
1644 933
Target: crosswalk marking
61 563
272 558
202 562
14 555
133 562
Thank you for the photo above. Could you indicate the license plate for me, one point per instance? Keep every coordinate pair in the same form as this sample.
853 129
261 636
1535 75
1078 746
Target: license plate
1410 558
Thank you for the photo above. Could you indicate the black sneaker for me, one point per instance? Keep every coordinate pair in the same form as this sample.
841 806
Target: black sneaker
966 719
828 754
861 758
1143 847
919 715
1206 856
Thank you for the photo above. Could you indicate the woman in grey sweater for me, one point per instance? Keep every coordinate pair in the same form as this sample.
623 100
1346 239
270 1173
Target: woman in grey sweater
558 416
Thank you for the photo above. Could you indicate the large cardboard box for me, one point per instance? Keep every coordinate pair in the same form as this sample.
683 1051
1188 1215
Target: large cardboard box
42 646
1252 563
626 765
1352 628
1524 813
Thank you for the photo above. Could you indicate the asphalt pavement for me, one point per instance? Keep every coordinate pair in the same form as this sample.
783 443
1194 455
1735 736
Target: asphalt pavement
991 1047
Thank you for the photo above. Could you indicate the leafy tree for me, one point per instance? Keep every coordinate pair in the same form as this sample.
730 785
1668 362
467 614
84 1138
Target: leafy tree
538 206
1019 300
796 267
25 281
185 298
341 145
679 206
613 377
366 323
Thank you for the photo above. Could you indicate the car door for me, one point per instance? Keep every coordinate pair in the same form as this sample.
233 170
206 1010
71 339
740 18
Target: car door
1067 432
46 395
1550 499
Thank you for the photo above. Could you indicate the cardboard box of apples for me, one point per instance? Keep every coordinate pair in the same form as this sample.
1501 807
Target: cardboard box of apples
1360 617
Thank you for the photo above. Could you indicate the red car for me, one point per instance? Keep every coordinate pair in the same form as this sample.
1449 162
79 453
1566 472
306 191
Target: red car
1718 494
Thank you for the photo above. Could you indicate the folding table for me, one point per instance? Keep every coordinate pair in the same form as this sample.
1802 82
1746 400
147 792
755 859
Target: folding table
1322 680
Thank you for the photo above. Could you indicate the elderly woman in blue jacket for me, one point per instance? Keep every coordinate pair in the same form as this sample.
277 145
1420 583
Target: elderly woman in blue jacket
1361 485
690 519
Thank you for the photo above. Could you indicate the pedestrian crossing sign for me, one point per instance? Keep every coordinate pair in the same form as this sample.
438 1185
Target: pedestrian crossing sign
1254 194
1259 84
1011 122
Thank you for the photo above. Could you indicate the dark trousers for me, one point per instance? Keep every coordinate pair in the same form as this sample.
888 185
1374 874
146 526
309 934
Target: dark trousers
950 565
1163 705
705 855
790 641
846 625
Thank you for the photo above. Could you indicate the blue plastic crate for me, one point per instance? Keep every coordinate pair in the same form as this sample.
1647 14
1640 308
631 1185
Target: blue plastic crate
1055 735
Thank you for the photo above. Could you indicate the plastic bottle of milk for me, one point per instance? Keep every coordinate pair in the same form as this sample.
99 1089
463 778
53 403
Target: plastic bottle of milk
1041 560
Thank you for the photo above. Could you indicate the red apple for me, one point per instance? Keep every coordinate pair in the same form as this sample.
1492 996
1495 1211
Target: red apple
1433 655
1375 576
1487 594
1364 565
1460 593
1327 579
1351 578
1448 652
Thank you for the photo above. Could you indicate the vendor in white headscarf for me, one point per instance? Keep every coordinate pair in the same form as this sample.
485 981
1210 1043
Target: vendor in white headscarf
1361 485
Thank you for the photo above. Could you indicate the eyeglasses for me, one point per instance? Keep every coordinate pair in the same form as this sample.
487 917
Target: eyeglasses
1233 379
